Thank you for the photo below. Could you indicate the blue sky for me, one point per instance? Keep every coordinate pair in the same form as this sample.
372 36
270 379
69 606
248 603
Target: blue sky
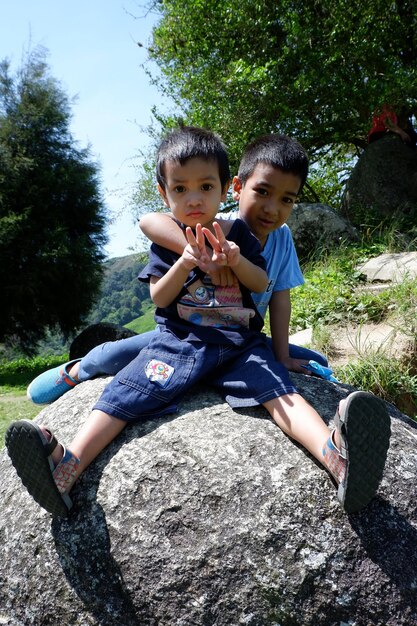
94 55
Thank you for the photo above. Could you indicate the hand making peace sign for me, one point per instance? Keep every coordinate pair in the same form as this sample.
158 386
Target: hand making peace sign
224 252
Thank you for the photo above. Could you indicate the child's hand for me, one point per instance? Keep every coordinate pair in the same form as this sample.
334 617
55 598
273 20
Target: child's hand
222 276
224 252
296 365
195 252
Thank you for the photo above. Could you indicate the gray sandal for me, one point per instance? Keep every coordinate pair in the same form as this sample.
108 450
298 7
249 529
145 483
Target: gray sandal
30 454
365 428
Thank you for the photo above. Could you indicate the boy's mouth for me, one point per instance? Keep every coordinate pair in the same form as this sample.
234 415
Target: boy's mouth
266 223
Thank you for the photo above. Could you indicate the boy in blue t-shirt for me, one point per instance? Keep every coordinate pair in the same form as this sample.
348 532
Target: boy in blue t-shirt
206 331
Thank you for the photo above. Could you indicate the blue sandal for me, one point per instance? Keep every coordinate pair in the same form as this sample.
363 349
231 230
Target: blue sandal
52 384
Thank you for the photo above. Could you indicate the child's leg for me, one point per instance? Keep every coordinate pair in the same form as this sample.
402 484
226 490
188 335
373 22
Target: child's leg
112 356
354 453
106 358
297 418
94 435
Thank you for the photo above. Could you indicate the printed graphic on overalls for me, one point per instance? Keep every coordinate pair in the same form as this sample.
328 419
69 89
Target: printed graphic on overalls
159 372
206 304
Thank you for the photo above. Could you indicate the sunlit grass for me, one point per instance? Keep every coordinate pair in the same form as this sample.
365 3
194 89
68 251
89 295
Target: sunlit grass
390 379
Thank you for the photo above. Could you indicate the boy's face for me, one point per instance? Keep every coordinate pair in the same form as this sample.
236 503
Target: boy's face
267 198
193 191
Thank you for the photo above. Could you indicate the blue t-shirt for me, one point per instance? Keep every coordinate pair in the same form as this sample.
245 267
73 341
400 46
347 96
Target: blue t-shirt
203 311
282 264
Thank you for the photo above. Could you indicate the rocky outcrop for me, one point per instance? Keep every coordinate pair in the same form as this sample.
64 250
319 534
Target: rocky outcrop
390 267
316 226
210 517
383 182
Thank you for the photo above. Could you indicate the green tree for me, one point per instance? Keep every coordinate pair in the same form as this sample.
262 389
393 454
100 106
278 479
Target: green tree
313 69
52 217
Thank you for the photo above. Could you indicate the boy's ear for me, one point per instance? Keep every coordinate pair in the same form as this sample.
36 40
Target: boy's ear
163 195
224 191
237 188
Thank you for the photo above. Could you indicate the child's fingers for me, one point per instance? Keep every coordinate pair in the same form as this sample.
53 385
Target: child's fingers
190 237
201 242
213 241
223 276
219 258
223 243
219 234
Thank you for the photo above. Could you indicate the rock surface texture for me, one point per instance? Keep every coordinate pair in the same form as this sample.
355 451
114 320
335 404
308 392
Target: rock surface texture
210 517
315 225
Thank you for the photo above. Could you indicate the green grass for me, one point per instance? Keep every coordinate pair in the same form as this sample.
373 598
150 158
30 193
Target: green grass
14 405
14 379
394 381
331 293
143 323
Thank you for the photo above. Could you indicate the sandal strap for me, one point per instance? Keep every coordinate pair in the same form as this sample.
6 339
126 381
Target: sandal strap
52 443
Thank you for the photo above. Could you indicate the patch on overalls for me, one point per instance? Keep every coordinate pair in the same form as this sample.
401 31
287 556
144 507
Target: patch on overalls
158 372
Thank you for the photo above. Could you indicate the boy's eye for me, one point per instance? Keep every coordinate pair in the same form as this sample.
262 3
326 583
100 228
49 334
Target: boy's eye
288 200
179 188
206 187
261 191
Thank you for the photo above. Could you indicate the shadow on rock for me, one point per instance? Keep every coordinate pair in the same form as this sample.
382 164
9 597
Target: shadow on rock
84 551
84 548
390 542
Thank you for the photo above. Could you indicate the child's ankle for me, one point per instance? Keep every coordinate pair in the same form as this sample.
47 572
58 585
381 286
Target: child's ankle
73 372
66 472
333 460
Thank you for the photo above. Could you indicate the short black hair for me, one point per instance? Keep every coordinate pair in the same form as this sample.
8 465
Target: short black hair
280 151
189 142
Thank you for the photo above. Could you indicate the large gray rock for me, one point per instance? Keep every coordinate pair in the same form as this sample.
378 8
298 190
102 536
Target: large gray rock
210 517
315 225
383 182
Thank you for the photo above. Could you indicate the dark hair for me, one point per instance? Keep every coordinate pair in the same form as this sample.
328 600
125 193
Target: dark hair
280 151
188 142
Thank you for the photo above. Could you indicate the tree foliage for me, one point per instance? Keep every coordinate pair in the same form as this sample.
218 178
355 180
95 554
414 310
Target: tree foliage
313 69
52 217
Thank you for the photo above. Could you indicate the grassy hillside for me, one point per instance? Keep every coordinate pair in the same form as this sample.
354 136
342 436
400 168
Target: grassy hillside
144 323
123 297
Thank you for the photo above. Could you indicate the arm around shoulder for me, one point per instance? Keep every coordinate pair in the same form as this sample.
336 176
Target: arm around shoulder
164 231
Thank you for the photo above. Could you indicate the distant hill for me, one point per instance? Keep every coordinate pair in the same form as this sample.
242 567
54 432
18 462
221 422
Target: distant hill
122 297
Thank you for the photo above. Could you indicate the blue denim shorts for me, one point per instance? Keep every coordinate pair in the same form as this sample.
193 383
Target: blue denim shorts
155 381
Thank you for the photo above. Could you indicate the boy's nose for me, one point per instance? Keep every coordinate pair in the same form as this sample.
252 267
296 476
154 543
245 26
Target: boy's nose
270 208
194 199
